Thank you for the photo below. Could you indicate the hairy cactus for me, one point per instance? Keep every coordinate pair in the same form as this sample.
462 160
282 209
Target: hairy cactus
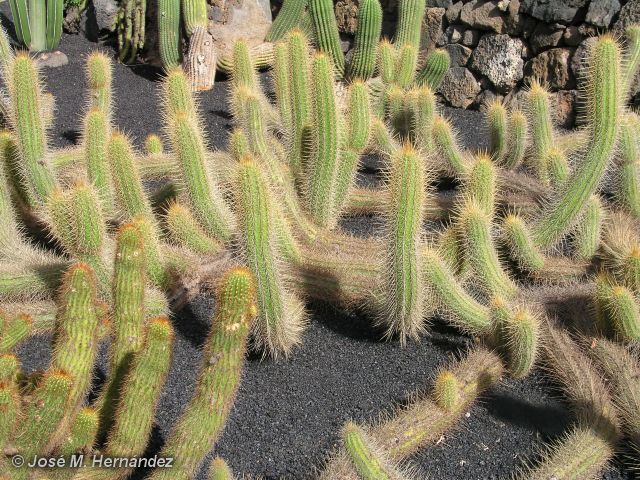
281 316
219 470
497 120
99 72
403 272
367 459
520 244
603 107
539 113
586 239
517 135
83 432
445 141
446 390
37 179
627 176
386 61
185 231
410 14
288 18
169 33
406 65
434 69
131 23
204 416
326 32
96 135
153 145
194 13
14 331
632 57
364 56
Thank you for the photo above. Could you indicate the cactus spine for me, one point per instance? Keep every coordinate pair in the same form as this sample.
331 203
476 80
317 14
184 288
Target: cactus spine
169 33
300 97
96 136
446 390
434 69
99 73
83 432
320 192
497 120
25 95
288 18
520 244
326 32
185 231
14 331
219 470
603 107
406 65
627 190
410 15
538 110
202 421
363 60
403 272
587 236
280 319
363 457
517 134
195 15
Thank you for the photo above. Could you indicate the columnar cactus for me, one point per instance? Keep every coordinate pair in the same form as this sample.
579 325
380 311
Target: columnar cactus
288 18
364 56
203 418
326 32
410 15
434 69
169 38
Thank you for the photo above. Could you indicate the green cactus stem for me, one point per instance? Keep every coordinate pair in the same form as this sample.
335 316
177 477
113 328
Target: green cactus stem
203 418
406 65
603 111
219 470
169 33
99 73
153 145
496 115
25 96
480 184
621 250
177 96
194 14
423 422
403 273
480 251
556 166
517 136
323 167
14 331
364 456
422 107
288 18
520 334
9 368
627 191
281 318
326 32
446 390
76 342
586 239
386 61
282 85
410 15
367 36
518 240
197 185
632 58
131 22
9 410
44 412
185 231
443 290
299 75
435 68
539 114
447 145
622 308
96 135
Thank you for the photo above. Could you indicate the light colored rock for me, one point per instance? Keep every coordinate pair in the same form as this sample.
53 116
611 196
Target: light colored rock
52 59
459 54
552 11
499 58
483 15
454 33
459 87
249 20
552 68
546 36
601 12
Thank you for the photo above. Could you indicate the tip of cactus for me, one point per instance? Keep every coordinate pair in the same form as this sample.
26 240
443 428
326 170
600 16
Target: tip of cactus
446 390
160 327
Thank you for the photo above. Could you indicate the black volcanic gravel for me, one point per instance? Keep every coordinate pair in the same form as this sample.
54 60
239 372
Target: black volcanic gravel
288 414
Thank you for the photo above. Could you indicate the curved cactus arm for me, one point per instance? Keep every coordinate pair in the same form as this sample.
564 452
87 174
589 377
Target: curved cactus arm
603 110
517 136
203 418
288 18
14 331
435 68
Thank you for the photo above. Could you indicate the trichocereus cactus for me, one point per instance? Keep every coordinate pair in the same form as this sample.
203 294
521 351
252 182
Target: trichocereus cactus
275 201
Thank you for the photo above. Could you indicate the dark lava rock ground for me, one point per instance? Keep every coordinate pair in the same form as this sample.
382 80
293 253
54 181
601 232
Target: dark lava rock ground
288 414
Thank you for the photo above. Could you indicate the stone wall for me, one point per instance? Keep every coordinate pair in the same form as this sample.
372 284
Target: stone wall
497 46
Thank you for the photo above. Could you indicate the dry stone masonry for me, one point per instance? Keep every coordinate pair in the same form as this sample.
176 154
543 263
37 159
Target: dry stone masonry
498 46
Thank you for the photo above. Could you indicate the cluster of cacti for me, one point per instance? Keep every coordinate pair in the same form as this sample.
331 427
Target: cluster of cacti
535 208
38 23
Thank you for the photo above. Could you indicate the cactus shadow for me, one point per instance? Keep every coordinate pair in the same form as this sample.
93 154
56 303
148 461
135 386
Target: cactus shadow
355 324
7 24
156 442
549 419
190 322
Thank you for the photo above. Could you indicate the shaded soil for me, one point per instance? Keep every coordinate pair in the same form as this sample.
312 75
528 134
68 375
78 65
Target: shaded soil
288 414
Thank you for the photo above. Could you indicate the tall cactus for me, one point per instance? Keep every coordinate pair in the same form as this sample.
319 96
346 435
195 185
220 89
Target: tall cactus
169 33
603 112
288 18
326 30
410 15
203 418
365 46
